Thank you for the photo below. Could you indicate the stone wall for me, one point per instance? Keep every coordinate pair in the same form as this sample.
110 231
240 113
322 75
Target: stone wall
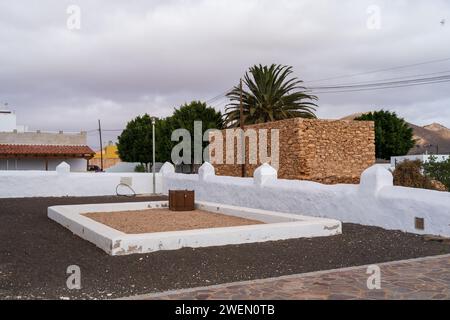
326 151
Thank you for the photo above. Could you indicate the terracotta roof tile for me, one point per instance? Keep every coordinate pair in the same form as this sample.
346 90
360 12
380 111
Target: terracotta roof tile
28 149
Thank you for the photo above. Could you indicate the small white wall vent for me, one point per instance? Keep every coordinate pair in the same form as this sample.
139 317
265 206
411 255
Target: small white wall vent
126 180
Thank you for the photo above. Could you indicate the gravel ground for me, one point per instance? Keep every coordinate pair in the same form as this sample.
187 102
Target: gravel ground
35 253
164 220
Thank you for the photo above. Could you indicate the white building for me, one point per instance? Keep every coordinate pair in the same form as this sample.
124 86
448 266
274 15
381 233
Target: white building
8 122
21 149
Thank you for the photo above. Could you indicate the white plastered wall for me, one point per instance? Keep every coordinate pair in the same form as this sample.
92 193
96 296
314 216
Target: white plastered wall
375 202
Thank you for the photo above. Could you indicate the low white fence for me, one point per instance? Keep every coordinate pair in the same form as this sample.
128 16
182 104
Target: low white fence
375 202
18 184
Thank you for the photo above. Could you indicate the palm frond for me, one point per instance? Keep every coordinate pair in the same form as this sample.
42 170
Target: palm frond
269 95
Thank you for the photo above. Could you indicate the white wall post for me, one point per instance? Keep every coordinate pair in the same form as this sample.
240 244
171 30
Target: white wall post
166 170
374 179
63 168
205 171
263 174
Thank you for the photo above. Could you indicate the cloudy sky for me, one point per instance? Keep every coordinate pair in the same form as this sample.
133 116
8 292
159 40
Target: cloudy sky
132 57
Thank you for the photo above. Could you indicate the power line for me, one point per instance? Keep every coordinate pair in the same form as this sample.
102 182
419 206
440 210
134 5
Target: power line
95 131
212 101
389 83
386 79
220 102
380 70
380 88
373 85
221 95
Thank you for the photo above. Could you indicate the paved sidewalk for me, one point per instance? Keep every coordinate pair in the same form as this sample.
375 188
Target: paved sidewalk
423 278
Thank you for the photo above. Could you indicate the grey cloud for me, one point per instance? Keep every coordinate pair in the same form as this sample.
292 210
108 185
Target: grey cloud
150 56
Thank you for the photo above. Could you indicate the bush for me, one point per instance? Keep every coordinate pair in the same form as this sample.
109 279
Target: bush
409 174
439 171
140 168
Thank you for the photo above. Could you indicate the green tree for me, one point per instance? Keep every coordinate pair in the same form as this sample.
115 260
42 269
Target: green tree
439 171
393 136
185 116
135 142
270 95
164 144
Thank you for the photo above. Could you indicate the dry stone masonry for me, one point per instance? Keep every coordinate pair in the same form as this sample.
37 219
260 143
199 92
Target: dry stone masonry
326 151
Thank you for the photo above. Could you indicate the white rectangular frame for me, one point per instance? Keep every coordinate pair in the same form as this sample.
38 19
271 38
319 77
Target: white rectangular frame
278 226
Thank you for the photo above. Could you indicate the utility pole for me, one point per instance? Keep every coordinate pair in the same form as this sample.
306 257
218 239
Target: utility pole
154 157
101 144
242 126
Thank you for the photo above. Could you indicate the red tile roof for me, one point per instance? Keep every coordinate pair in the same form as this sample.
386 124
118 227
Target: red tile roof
45 150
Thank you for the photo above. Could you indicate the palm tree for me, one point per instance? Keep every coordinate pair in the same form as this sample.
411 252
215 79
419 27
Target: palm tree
270 96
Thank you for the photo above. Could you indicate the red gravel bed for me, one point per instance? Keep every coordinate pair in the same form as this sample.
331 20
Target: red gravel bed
164 220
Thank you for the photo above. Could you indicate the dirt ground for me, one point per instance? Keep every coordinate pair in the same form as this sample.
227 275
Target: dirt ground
35 253
162 220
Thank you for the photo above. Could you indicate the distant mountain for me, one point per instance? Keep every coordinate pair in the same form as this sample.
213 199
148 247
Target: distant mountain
353 116
433 137
443 131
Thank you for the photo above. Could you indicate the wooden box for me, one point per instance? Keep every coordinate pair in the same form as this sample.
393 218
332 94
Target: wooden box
181 200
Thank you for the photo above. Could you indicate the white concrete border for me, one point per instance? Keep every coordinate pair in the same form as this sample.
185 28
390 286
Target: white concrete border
374 202
279 226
